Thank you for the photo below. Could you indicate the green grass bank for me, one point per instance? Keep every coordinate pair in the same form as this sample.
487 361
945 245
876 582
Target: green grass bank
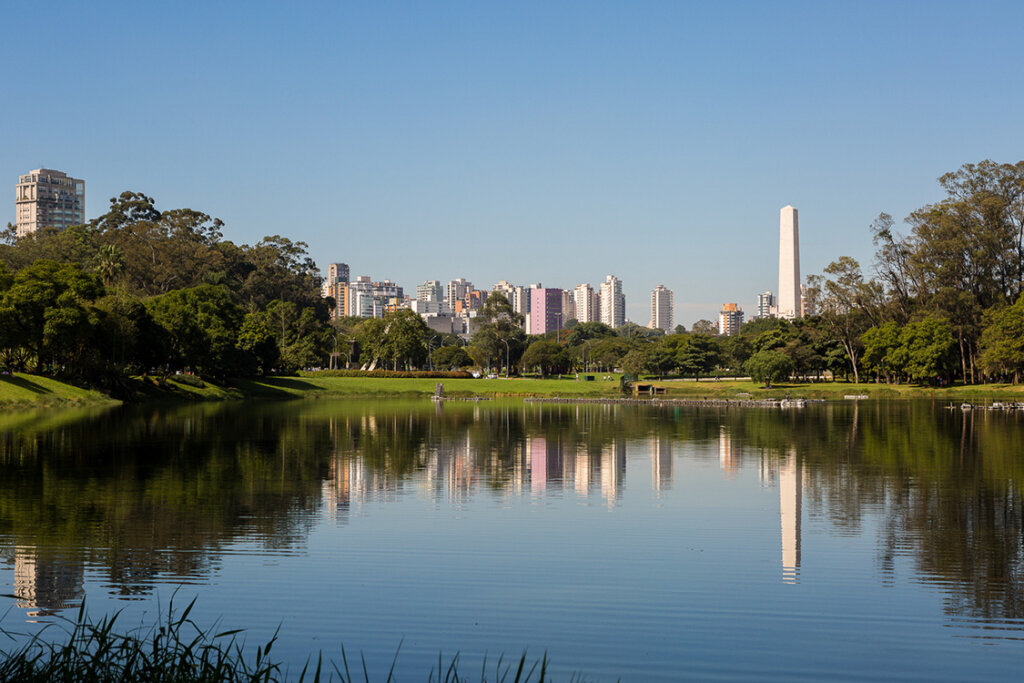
21 390
32 391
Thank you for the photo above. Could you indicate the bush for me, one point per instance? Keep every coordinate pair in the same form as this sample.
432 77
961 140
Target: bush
190 380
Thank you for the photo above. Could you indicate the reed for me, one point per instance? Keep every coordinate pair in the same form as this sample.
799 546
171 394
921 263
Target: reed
177 649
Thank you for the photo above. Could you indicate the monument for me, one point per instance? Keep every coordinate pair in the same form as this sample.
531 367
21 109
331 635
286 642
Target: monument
789 264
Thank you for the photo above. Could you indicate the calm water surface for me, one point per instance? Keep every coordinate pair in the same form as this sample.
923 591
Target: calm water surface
839 541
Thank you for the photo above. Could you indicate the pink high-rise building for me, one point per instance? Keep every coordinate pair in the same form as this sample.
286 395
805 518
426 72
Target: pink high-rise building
545 310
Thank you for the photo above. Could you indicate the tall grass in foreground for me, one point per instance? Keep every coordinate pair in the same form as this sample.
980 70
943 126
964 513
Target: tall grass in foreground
176 649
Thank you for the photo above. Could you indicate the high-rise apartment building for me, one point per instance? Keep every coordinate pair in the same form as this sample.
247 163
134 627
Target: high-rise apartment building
613 302
587 310
506 288
46 198
766 305
807 307
661 309
431 290
455 292
789 263
730 319
545 310
568 306
337 272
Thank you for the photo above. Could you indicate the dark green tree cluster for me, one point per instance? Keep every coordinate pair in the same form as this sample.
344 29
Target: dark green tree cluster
945 302
138 290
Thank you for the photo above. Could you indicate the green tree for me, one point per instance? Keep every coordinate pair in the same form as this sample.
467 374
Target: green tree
47 316
697 356
848 306
926 349
451 358
704 327
201 326
546 356
769 366
880 350
1002 342
499 339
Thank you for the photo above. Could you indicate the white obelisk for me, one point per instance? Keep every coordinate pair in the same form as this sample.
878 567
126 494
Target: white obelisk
789 263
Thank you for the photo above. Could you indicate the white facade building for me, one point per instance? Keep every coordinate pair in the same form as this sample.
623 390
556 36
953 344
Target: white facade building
586 304
661 309
613 302
766 306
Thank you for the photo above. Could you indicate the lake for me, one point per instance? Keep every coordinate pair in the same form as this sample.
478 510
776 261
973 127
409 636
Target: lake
841 541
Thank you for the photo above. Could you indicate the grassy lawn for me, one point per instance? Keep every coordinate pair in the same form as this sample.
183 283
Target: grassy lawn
312 386
23 390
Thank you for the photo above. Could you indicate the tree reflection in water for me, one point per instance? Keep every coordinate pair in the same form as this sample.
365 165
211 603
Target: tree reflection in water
156 494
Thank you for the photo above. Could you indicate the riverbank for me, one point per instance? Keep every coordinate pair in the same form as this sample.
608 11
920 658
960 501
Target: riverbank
22 390
33 391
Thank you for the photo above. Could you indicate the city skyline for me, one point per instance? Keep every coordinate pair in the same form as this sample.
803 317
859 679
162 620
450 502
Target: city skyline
558 141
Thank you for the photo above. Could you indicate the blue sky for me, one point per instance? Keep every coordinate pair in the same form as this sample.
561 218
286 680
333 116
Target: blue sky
551 141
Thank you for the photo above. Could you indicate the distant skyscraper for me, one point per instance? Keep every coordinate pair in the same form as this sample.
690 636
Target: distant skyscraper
46 198
730 319
586 304
765 305
789 263
613 302
661 309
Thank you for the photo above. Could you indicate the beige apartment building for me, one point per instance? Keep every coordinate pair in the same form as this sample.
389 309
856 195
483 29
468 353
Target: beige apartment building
48 198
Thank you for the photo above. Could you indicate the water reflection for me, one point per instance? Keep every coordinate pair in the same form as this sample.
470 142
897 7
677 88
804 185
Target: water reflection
45 584
156 495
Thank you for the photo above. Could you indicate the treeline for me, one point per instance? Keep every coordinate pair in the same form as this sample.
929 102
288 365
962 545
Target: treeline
139 291
945 299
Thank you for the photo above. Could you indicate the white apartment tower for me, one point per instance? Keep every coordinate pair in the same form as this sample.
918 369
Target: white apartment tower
47 198
613 302
766 305
661 309
586 304
789 263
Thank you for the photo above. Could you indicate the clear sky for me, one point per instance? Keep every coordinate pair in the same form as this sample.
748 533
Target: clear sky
552 142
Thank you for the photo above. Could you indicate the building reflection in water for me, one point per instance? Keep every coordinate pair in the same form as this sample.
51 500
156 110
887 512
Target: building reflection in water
791 513
661 463
454 468
727 456
46 585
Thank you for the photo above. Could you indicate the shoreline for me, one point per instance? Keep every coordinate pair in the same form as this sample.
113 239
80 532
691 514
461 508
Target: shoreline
24 391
